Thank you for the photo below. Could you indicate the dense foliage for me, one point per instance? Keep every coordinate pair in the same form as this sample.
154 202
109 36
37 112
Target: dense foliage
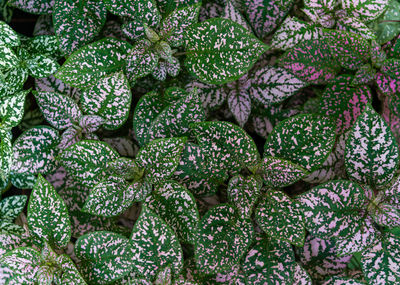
187 142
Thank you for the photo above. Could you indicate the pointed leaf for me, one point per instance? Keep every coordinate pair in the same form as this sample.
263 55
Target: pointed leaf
12 109
8 36
41 66
11 207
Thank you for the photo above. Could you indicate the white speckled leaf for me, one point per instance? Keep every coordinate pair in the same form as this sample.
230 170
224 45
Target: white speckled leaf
59 110
8 36
243 192
41 66
380 262
366 10
278 172
40 7
90 123
292 31
110 98
106 256
336 280
177 207
90 63
52 84
372 153
232 13
34 152
10 242
12 109
87 161
305 139
386 215
155 248
77 23
230 146
70 273
48 216
174 25
331 209
281 218
222 240
44 44
13 80
141 60
6 155
11 207
8 58
160 158
272 85
320 4
220 50
386 31
355 25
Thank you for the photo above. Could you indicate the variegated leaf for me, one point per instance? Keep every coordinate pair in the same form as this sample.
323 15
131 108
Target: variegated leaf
41 7
59 110
239 102
222 239
40 66
46 45
292 31
109 98
9 242
335 280
388 27
77 23
8 59
48 216
141 60
90 123
356 26
305 139
71 274
12 109
366 10
87 161
233 13
243 192
8 36
386 215
156 248
281 218
372 153
52 84
233 50
11 207
90 63
177 207
320 4
212 96
13 80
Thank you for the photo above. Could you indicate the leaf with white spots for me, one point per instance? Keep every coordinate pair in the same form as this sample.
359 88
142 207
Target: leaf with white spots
386 215
229 146
90 123
372 154
164 116
70 273
13 80
109 98
174 25
41 66
6 155
271 85
106 256
8 59
52 84
278 172
141 60
90 63
366 10
9 242
34 152
281 218
243 192
293 31
222 239
39 7
239 100
305 139
12 109
177 207
8 36
154 245
266 15
48 216
332 209
380 262
220 50
44 45
320 4
387 26
311 61
160 158
60 110
231 12
77 23
87 161
356 26
11 207
212 96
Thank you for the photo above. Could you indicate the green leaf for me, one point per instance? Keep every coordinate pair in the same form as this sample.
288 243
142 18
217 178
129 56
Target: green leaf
8 37
331 210
243 193
48 215
160 158
356 26
109 198
60 110
366 10
44 44
387 27
12 109
70 274
372 153
109 98
292 31
239 100
87 161
229 145
281 218
222 240
41 66
11 207
8 59
12 81
380 261
42 7
34 152
141 60
10 241
177 207
90 63
278 172
159 117
174 25
90 123
220 50
77 23
305 139
106 256
156 248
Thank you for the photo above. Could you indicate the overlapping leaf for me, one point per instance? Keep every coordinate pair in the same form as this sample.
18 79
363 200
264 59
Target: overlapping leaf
12 109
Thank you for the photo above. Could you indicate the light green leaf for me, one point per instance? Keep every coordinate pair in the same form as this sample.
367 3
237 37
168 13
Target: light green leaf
41 66
220 50
48 215
12 109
